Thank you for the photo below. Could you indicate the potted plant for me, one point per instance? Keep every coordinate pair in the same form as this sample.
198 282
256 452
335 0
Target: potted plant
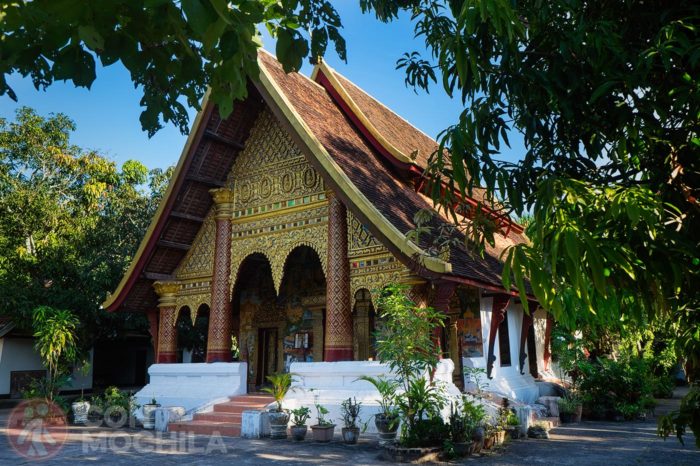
323 431
569 409
299 418
460 433
489 436
119 407
475 415
279 417
387 419
81 407
513 426
149 414
96 412
351 412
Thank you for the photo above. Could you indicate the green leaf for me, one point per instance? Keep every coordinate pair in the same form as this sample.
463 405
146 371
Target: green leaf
601 90
91 37
200 15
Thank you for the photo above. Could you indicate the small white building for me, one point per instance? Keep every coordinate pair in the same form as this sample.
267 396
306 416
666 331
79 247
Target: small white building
20 363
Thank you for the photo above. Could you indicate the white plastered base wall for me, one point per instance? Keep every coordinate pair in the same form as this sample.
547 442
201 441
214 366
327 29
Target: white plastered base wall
506 380
193 386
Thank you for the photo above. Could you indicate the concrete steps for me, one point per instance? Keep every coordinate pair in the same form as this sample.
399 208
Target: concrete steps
224 419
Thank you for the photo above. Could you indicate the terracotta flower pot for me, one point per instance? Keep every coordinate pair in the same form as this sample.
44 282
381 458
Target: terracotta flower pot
323 433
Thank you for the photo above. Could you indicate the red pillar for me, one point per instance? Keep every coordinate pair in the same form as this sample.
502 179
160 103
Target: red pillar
498 313
167 333
338 334
220 318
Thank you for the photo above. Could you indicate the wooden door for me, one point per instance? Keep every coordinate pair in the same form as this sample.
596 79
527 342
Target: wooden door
267 355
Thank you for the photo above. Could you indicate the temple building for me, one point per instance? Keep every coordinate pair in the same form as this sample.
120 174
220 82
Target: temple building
283 221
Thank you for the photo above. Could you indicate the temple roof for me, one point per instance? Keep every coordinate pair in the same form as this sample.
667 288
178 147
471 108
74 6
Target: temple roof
366 153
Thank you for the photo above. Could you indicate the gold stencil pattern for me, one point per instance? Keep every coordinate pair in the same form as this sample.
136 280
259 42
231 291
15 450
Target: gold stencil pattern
199 261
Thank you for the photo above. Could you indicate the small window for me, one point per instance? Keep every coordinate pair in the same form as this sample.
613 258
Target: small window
504 342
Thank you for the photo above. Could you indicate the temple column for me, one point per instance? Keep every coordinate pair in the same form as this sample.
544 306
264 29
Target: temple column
338 334
441 302
167 333
498 313
220 318
524 333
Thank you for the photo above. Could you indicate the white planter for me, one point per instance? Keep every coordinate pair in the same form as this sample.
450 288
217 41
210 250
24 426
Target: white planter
149 415
80 411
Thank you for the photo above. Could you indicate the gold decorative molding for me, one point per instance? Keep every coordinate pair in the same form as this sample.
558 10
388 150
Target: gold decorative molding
276 247
223 202
279 203
166 291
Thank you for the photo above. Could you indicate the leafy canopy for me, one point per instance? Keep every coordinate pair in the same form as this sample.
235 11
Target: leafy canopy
70 221
606 98
173 49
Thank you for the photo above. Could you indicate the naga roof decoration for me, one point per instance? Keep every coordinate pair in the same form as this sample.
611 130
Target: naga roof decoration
366 153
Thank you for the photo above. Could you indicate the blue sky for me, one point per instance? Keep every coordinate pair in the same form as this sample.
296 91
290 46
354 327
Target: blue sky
107 115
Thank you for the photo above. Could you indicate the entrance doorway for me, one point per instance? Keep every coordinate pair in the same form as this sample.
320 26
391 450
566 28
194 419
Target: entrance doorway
267 356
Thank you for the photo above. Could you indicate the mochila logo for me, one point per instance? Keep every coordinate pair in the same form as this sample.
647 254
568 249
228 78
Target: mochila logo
37 429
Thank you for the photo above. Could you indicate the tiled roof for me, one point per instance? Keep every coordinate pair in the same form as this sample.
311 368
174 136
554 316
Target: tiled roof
214 144
395 197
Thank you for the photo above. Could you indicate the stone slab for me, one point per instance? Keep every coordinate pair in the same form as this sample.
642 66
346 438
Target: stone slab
164 416
255 424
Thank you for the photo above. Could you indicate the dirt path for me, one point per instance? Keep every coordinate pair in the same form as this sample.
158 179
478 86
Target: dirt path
602 443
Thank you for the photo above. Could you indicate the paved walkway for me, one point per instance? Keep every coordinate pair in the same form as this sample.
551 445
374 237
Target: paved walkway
588 443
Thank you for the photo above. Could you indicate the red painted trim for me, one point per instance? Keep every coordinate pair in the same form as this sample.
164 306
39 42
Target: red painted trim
498 314
219 356
323 81
482 285
150 246
413 170
337 354
166 357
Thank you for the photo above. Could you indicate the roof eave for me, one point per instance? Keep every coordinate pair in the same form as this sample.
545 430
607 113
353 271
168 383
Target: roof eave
115 300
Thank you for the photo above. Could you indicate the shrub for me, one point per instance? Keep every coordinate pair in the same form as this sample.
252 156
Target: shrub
430 432
607 385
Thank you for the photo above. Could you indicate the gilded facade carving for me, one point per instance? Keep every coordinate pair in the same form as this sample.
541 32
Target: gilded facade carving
199 261
271 171
279 202
277 247
372 266
360 241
